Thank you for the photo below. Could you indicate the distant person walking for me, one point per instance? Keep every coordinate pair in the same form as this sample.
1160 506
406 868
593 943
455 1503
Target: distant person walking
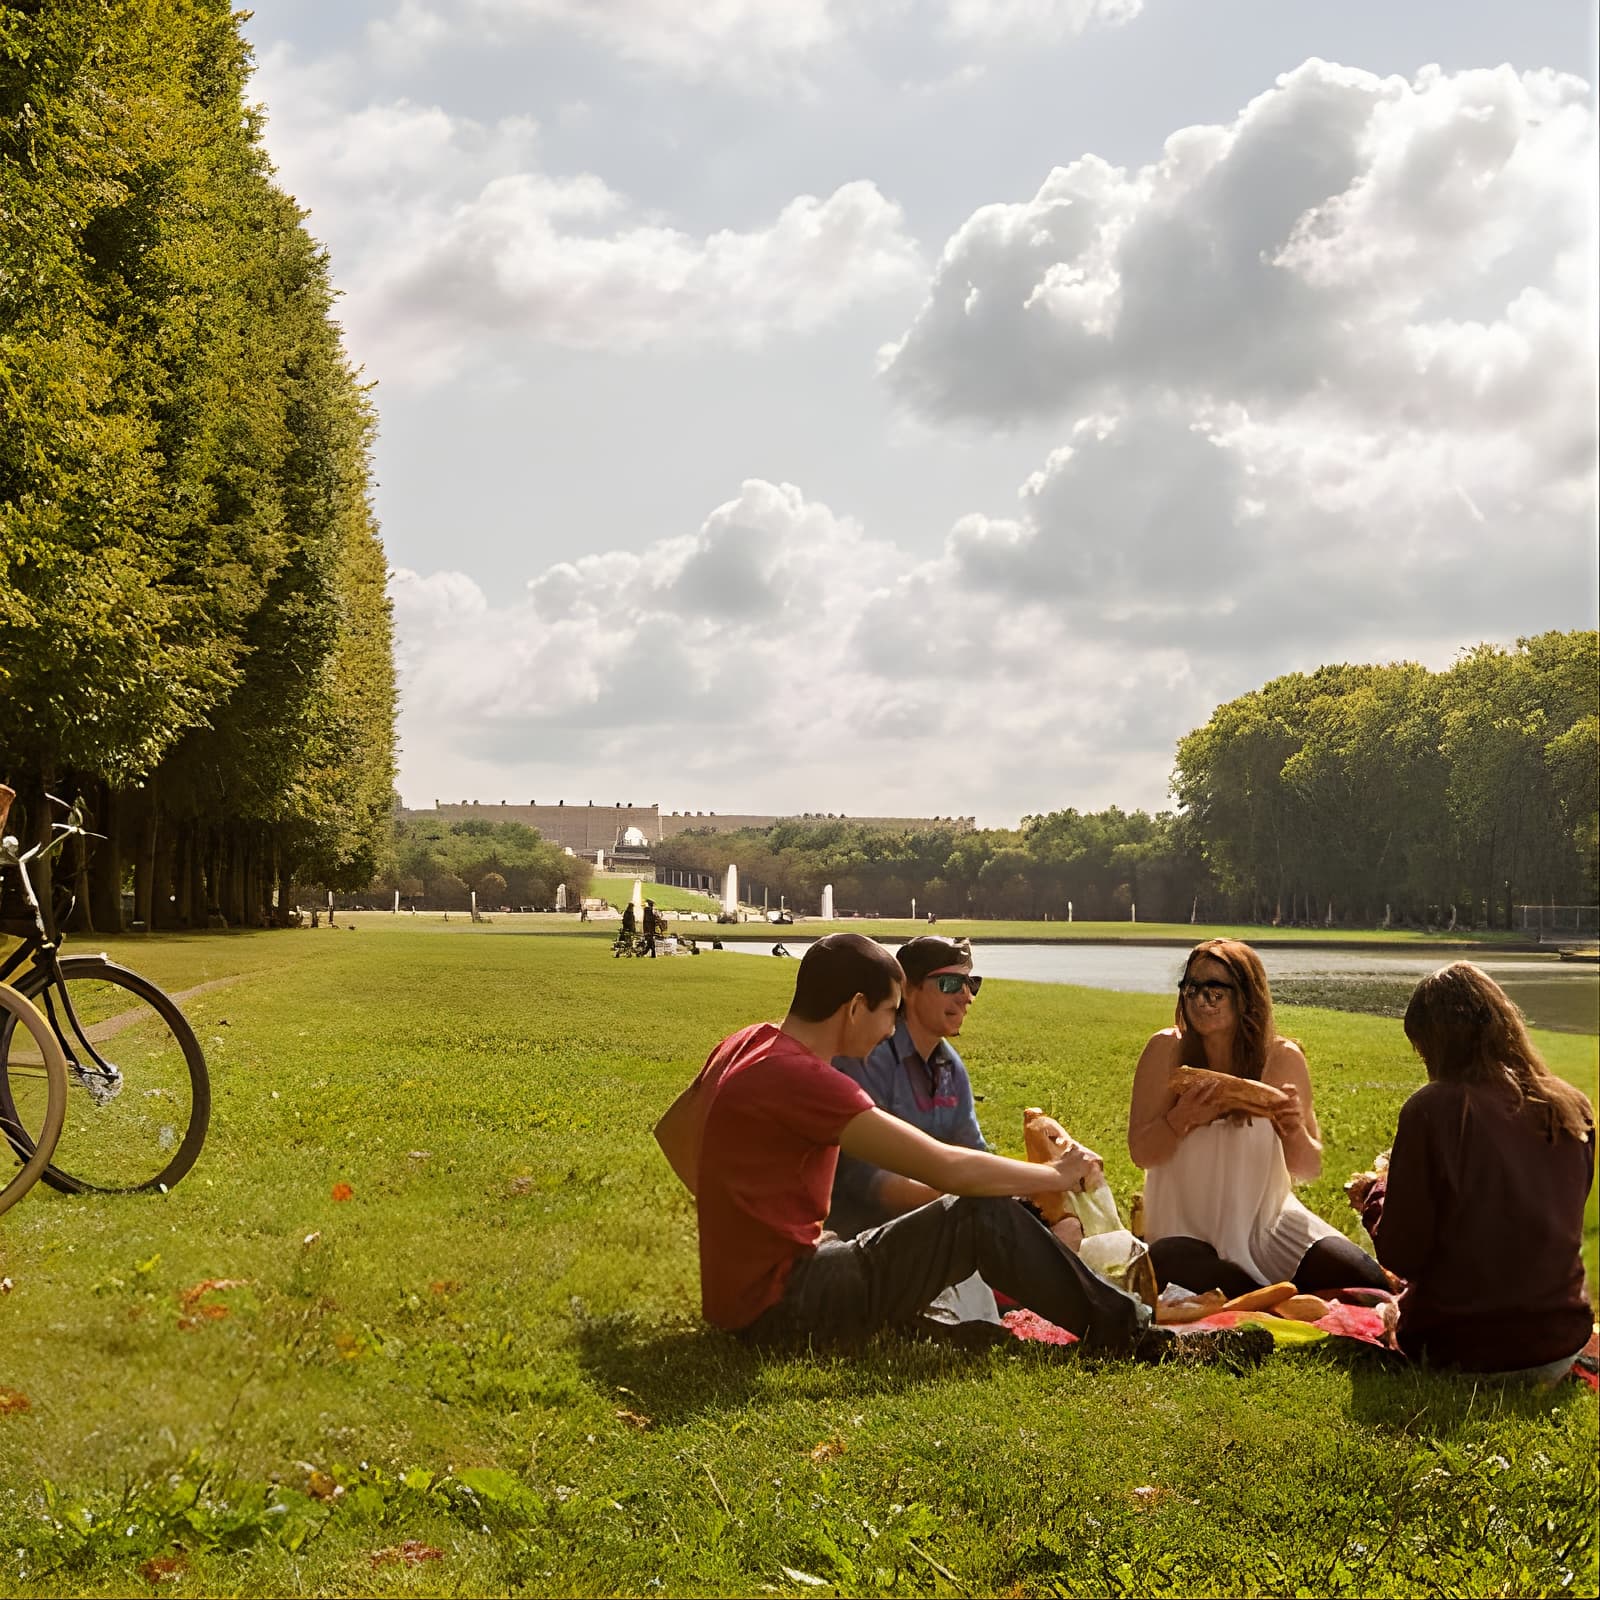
630 925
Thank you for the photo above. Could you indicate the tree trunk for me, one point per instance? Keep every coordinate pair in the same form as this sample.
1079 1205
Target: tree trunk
162 901
233 878
105 864
196 887
144 864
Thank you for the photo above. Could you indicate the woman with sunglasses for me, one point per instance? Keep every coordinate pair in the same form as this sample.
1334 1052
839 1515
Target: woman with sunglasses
917 1076
1219 1204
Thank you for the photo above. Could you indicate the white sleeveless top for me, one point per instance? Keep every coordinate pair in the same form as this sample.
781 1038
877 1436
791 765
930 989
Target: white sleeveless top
1227 1183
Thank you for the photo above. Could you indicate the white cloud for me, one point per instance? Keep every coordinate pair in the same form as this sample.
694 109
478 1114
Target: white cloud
1352 243
449 236
517 259
747 44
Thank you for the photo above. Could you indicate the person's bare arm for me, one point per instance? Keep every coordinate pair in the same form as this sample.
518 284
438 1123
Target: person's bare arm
1158 1119
899 1148
899 1195
678 1134
1295 1120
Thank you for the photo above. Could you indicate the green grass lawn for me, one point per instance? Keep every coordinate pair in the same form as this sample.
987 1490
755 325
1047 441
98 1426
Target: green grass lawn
492 1347
618 889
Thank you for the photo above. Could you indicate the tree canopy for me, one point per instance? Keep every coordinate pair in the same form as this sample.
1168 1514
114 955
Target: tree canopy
193 625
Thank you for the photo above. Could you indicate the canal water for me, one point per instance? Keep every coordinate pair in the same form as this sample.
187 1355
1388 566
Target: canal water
1552 993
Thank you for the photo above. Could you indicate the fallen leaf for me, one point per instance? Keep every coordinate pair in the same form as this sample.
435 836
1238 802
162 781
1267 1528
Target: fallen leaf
13 1400
634 1420
164 1569
828 1450
196 1291
311 1239
343 1191
522 1186
6 1286
796 1576
320 1486
1148 1494
422 1155
412 1553
443 1286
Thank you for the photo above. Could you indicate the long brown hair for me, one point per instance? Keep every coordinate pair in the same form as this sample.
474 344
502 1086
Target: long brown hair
1254 1033
1468 1030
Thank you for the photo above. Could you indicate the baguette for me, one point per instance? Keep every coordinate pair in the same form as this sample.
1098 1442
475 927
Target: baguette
1234 1094
1262 1299
1190 1310
1043 1139
1302 1308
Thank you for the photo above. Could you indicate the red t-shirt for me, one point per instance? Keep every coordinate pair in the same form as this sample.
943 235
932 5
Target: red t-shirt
770 1118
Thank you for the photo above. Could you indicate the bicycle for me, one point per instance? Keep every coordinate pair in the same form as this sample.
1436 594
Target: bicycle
137 1097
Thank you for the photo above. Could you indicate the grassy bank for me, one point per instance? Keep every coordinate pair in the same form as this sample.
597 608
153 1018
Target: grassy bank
491 1346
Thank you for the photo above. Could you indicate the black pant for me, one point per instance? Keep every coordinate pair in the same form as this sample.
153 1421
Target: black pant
1332 1263
848 1289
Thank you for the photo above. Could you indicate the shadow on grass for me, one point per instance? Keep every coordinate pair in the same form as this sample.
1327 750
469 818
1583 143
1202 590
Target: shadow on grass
677 1373
1424 1402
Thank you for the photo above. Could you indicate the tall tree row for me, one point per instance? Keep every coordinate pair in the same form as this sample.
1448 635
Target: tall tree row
193 628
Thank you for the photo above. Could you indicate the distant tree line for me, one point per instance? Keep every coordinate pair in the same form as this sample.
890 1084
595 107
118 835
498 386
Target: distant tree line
1350 794
506 863
194 633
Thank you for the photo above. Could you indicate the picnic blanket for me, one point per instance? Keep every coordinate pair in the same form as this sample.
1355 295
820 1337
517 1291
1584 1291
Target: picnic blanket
1363 1323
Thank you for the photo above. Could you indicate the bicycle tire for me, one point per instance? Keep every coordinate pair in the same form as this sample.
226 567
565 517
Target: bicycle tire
47 1092
150 1133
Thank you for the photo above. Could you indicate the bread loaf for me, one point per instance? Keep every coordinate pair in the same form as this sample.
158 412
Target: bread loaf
1233 1094
1301 1308
1043 1140
1262 1299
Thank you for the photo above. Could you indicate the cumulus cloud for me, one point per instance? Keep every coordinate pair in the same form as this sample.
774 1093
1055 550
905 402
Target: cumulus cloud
517 258
1370 245
449 234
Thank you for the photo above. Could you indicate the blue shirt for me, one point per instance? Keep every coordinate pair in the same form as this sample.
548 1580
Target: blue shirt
934 1095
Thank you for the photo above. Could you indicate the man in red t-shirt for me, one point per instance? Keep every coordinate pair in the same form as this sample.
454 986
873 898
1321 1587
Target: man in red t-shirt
756 1138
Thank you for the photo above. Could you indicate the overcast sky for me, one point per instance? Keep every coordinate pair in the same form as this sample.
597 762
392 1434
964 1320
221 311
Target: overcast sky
939 406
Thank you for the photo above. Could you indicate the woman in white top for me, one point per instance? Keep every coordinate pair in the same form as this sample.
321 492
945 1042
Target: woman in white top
1219 1205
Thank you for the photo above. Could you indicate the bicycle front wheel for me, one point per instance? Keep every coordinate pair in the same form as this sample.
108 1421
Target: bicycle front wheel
138 1097
33 1091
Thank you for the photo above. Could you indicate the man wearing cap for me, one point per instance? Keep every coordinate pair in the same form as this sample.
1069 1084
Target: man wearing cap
917 1076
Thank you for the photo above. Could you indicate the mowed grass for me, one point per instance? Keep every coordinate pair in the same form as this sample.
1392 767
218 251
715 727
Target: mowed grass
492 1346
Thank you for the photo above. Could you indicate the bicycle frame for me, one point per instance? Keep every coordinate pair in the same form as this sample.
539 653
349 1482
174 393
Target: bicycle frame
40 952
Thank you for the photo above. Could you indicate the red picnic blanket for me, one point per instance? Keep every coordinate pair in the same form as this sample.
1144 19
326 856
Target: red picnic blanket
1364 1323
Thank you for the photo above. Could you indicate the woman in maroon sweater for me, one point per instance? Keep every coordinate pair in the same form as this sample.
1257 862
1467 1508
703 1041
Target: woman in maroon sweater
1481 1210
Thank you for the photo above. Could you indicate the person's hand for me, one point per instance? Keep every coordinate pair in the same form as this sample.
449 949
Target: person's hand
1194 1109
1080 1167
1359 1187
1290 1117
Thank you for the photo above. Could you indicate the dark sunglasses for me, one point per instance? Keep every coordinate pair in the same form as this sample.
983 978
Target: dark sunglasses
951 982
1213 992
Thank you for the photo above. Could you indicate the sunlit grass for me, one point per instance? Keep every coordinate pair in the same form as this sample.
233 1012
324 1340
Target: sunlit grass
505 1310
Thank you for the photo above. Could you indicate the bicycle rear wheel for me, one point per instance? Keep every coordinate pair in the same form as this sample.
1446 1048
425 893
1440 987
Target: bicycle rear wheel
138 1097
31 1119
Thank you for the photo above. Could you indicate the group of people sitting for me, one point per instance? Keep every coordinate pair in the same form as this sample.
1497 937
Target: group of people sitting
842 1183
